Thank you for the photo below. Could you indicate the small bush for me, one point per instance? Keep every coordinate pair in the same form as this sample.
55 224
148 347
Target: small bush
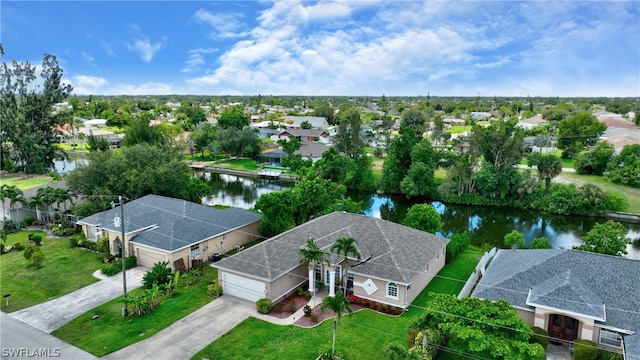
76 239
609 355
28 221
263 306
159 274
457 243
18 247
36 238
313 318
34 253
131 262
585 350
102 245
291 306
540 336
214 290
110 269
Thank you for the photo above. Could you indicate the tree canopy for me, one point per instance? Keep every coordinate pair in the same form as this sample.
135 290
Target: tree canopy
136 171
578 131
606 238
30 125
423 217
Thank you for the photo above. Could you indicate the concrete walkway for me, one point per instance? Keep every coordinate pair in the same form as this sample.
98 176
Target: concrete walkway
52 314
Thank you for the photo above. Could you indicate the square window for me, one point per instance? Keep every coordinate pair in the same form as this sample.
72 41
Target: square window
610 338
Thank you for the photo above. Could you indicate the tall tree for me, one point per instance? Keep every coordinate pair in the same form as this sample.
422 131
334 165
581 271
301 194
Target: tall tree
423 217
29 123
549 166
234 117
348 140
625 167
608 238
338 304
577 132
15 197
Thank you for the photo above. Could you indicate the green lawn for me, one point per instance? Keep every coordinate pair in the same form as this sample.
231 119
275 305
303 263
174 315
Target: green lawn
112 332
80 146
63 270
24 182
459 129
240 164
362 335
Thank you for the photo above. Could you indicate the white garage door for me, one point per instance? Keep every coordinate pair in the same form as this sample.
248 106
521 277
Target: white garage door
242 287
147 258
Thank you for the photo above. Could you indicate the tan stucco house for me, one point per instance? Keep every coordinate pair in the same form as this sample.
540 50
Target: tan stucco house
397 262
159 228
571 294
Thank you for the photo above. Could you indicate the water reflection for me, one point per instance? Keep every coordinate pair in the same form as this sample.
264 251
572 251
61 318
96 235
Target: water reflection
489 225
69 164
236 191
486 225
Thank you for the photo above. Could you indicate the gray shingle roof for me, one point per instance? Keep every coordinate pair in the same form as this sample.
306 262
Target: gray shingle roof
571 280
178 223
392 251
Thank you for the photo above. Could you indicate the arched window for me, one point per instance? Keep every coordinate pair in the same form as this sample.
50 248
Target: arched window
392 290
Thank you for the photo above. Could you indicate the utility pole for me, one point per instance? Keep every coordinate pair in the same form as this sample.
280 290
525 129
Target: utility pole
119 222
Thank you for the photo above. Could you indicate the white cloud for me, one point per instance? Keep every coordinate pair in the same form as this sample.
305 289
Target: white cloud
225 25
144 47
86 84
196 59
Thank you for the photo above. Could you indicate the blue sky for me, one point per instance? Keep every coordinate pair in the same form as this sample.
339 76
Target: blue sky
354 47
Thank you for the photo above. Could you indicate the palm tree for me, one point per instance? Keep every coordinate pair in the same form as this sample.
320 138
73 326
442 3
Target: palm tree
395 351
338 304
312 255
35 203
549 167
346 246
48 197
14 195
61 197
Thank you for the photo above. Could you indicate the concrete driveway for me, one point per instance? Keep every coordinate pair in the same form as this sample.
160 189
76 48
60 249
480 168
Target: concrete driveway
53 314
190 334
20 340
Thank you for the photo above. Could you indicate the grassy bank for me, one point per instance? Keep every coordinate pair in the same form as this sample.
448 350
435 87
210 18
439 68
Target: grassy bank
63 270
362 335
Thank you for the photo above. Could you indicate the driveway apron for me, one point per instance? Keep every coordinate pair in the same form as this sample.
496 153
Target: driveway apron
53 314
190 334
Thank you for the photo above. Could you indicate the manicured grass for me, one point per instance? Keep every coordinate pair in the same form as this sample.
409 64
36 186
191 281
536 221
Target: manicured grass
80 146
24 182
362 335
63 270
240 164
459 129
111 332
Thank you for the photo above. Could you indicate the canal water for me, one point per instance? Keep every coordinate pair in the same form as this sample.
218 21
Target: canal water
485 224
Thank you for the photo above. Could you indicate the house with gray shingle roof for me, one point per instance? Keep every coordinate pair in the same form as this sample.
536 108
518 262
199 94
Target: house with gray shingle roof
397 261
571 294
159 228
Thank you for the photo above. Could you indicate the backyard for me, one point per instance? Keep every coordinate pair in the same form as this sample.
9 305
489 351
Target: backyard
62 271
361 335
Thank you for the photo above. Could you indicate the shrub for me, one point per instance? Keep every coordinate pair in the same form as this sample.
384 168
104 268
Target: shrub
291 306
28 221
263 306
313 317
110 269
585 350
540 243
609 355
131 262
159 274
214 290
36 238
102 245
457 243
540 336
34 253
18 247
75 239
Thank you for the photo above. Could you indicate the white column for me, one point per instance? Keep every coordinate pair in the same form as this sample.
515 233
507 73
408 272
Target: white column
312 282
332 281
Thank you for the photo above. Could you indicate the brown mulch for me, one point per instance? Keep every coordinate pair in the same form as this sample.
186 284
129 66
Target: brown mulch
306 321
282 312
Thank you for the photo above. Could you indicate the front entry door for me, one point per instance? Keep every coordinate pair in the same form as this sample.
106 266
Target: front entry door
563 327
